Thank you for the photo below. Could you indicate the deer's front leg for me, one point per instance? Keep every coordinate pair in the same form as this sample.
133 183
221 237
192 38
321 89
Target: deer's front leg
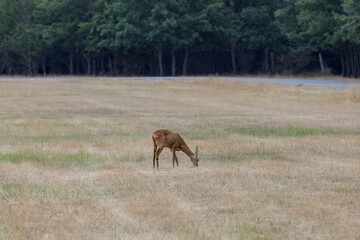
173 157
159 150
173 161
155 147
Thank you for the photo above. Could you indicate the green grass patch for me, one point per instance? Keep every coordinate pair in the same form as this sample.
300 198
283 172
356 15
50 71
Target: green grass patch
282 132
101 136
259 153
48 190
17 158
265 132
12 190
203 135
10 117
243 230
76 135
79 160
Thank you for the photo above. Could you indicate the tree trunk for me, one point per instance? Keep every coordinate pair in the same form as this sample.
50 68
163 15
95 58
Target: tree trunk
321 64
348 63
9 71
29 66
233 58
102 65
342 63
351 55
160 53
185 63
272 60
2 68
173 69
266 59
125 67
151 67
43 65
115 66
77 64
88 64
356 63
94 65
71 64
111 66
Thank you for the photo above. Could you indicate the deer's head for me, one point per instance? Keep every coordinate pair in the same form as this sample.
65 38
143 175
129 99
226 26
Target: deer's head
195 160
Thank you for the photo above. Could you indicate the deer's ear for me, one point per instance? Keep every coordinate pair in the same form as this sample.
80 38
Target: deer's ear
196 151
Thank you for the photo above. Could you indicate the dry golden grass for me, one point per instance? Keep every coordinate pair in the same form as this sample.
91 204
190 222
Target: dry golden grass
276 162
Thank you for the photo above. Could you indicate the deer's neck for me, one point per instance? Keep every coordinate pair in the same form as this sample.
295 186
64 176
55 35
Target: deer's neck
187 150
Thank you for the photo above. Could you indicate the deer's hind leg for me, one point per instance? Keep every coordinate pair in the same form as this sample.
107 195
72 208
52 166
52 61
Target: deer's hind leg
155 147
173 159
173 150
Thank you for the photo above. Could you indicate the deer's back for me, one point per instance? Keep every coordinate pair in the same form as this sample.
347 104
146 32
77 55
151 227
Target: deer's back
166 137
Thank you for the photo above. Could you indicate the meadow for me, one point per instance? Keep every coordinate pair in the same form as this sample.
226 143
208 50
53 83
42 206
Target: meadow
276 162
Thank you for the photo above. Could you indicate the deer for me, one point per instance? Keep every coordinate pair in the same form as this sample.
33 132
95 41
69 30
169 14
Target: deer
166 138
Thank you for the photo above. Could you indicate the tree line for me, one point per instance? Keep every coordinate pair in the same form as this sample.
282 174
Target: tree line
179 37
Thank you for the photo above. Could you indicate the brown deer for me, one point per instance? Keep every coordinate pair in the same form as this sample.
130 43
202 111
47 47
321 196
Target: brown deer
165 138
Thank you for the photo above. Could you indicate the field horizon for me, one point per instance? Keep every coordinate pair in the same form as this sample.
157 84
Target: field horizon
276 162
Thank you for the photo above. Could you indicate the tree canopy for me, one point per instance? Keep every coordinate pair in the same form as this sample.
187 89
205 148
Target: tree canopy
179 37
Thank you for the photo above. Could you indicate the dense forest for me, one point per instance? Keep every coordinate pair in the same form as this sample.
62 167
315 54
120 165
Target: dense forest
179 37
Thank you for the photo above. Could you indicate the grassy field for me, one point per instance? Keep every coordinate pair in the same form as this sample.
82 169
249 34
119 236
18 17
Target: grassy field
276 162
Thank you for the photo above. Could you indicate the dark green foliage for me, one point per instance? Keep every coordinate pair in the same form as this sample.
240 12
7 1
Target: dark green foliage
179 37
